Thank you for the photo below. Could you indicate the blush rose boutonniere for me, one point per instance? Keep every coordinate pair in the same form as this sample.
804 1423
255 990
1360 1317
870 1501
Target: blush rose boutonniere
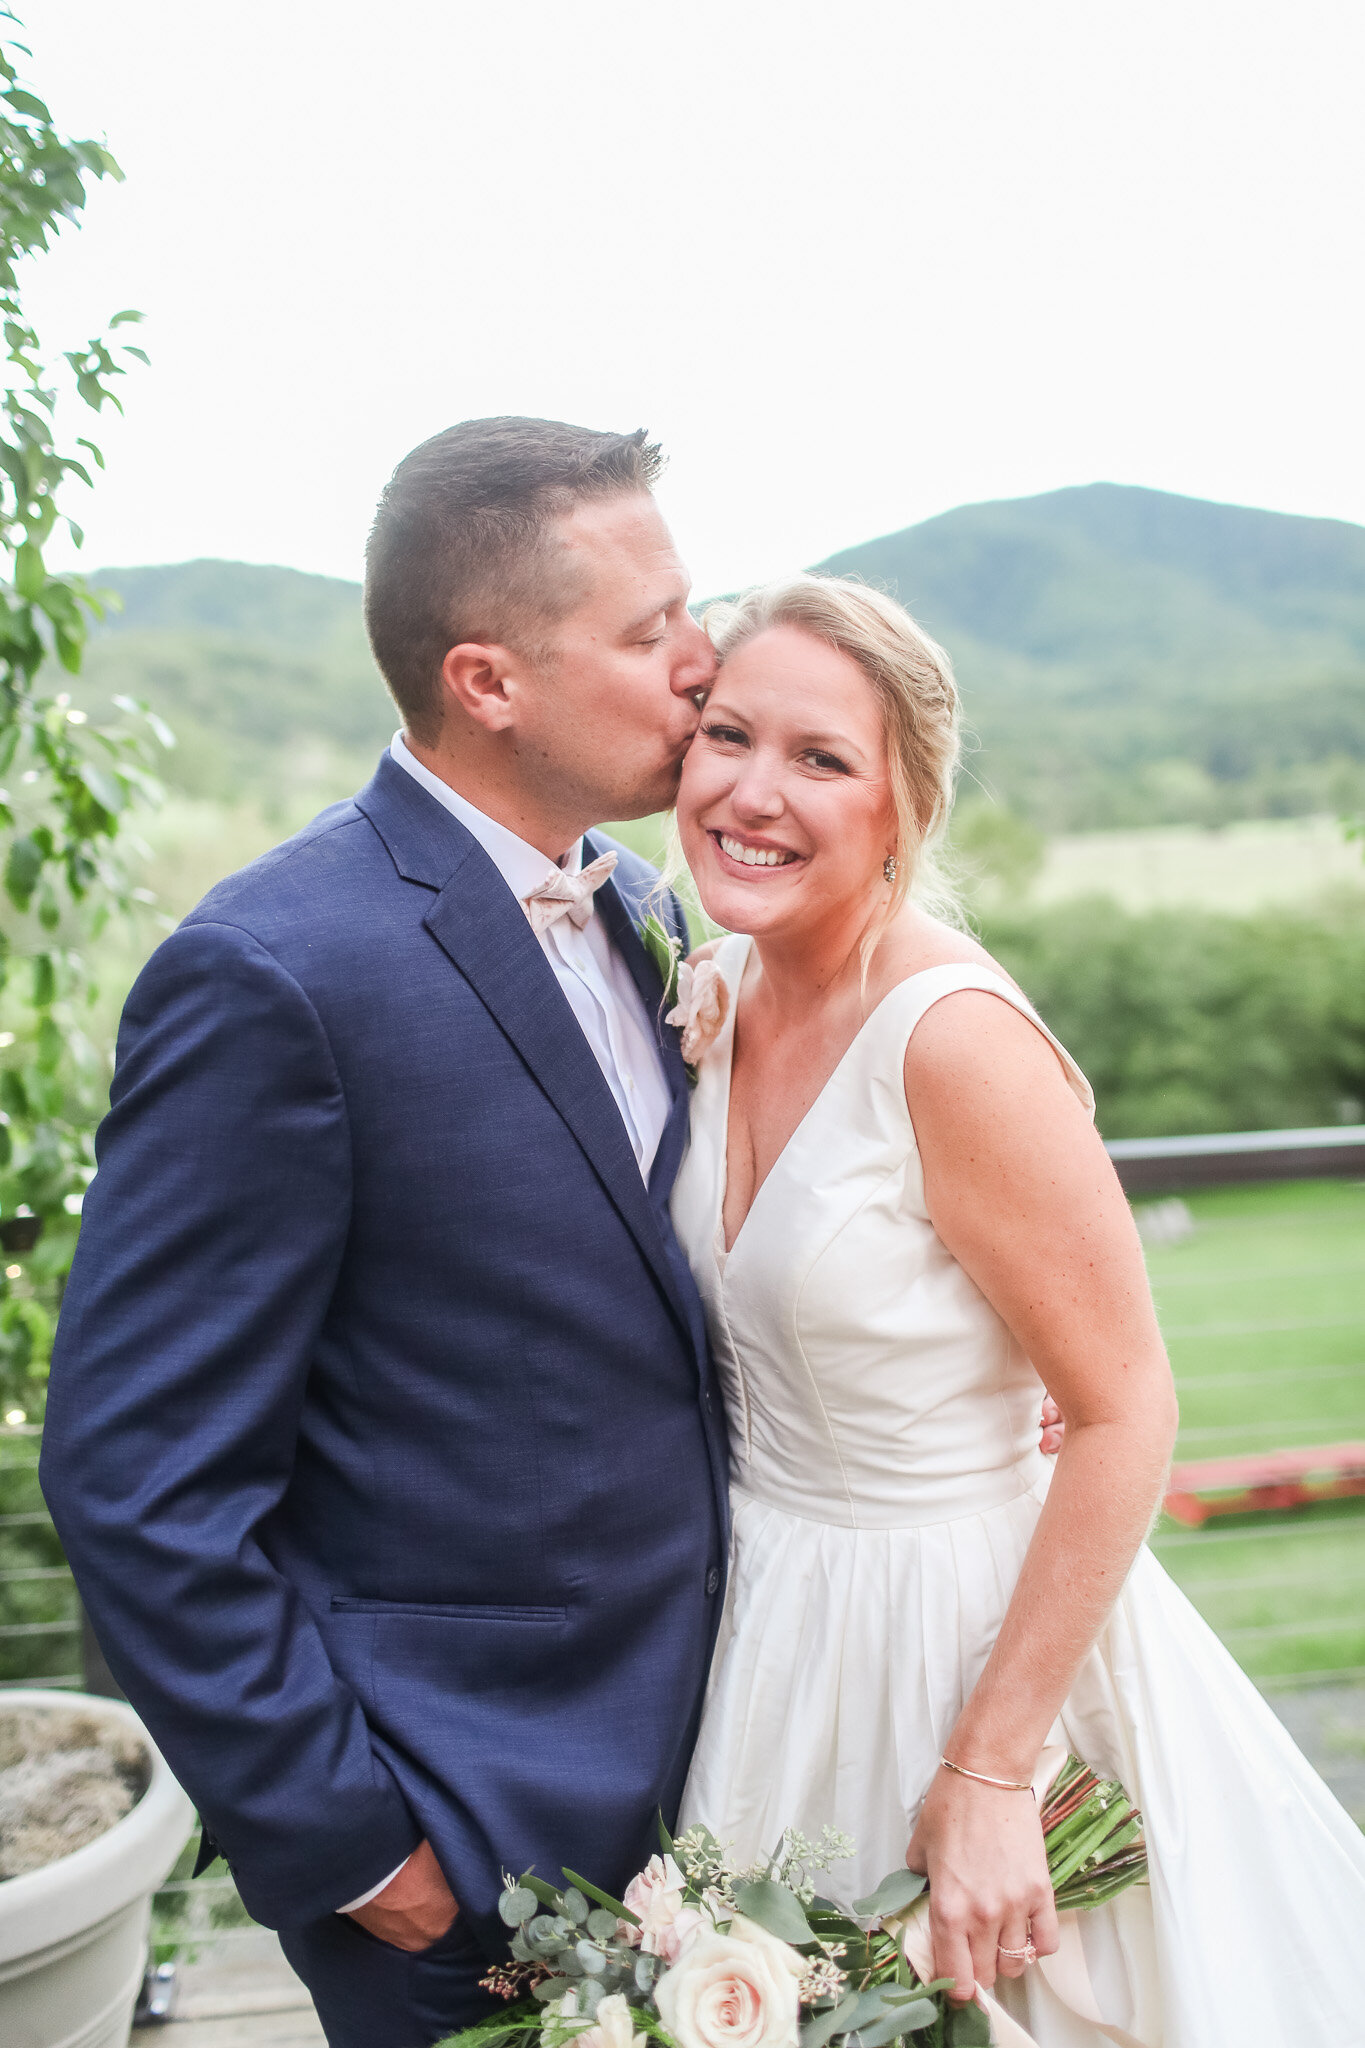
696 999
701 1009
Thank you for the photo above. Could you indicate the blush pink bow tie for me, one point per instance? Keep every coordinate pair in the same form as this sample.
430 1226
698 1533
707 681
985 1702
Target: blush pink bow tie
568 896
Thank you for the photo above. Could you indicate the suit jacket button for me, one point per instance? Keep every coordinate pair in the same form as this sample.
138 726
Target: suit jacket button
712 1581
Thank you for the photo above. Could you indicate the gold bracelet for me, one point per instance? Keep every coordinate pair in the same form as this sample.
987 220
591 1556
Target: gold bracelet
1002 1784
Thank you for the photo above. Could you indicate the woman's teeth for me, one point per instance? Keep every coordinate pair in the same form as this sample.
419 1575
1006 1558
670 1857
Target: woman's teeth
754 856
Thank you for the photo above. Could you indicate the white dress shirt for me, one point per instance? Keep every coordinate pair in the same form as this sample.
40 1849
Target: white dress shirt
601 993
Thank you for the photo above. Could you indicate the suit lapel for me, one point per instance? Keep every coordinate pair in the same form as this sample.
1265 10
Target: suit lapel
476 921
479 925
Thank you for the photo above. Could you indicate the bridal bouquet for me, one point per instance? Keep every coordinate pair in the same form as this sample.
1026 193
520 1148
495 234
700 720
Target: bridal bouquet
700 1954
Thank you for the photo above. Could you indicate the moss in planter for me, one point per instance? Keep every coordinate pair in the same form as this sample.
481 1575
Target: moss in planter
66 1776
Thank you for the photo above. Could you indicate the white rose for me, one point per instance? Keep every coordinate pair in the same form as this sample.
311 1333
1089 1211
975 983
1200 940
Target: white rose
735 1990
656 1899
612 2027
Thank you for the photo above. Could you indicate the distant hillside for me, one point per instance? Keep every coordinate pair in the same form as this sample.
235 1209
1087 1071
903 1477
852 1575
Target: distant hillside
1131 657
277 607
1127 657
264 674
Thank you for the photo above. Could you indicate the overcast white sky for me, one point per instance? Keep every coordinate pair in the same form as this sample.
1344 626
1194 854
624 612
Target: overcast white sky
853 264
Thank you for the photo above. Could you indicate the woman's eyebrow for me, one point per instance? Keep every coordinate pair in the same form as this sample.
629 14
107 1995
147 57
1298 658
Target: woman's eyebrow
828 742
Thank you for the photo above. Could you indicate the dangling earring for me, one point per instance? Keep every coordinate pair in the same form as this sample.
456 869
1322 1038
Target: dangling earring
889 867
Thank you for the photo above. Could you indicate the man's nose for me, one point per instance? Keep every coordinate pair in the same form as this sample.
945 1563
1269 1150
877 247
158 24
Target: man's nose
696 667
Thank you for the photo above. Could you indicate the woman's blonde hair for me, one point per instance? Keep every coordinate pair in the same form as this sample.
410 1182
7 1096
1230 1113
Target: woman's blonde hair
913 681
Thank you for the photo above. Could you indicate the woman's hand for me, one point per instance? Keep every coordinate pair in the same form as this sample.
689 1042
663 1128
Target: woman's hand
982 1851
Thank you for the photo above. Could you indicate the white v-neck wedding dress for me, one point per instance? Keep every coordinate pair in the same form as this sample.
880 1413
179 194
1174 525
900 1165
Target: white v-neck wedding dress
886 1483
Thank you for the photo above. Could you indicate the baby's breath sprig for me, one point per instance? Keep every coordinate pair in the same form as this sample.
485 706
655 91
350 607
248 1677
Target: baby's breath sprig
822 1976
706 1863
796 1859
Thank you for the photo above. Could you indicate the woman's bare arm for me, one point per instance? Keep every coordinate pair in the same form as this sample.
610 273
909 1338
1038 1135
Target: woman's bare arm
1022 1193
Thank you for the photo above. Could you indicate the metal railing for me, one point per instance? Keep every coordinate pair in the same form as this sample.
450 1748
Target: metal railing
1161 1166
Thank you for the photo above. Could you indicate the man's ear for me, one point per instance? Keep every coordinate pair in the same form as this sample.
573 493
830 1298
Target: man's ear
476 677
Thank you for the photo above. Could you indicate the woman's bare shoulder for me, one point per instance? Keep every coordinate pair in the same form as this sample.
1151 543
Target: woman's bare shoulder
924 942
963 1038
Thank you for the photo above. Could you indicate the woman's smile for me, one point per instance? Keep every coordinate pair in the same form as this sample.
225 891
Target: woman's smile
751 856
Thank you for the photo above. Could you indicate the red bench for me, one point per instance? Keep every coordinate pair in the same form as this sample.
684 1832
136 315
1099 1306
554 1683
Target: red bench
1266 1479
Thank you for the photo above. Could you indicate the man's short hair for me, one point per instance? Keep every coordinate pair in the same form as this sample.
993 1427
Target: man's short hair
463 545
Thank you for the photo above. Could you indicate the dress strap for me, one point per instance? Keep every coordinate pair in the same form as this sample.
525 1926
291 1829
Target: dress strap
732 957
912 998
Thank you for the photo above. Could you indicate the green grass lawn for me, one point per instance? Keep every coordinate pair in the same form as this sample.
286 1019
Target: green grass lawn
1264 1314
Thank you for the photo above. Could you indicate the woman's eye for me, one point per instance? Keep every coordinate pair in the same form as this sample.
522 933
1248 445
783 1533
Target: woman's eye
829 762
728 735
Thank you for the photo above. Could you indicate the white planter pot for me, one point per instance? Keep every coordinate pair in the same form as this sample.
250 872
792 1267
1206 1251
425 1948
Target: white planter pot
73 1936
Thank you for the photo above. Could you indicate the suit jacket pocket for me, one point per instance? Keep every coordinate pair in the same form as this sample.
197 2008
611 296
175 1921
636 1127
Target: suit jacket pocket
344 1603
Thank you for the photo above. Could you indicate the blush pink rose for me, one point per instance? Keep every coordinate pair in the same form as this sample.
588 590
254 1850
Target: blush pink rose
656 1899
735 1990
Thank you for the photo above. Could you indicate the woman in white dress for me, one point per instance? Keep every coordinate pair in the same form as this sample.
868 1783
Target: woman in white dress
903 1224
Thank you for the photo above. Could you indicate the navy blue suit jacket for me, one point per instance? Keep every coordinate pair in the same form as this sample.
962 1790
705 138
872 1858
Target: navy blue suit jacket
382 1437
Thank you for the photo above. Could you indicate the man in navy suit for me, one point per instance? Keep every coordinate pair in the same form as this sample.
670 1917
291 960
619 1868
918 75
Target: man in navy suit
382 1436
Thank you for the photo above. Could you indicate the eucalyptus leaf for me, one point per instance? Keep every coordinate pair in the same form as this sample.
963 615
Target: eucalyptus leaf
857 2009
551 1988
771 1906
823 2026
602 1925
575 1906
902 2019
892 1895
968 2027
590 1996
602 1898
592 1959
517 1905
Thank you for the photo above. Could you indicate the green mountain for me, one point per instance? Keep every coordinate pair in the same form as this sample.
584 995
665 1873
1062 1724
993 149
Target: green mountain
1126 657
264 675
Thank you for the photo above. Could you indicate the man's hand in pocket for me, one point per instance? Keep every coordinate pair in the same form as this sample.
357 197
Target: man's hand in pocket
415 1908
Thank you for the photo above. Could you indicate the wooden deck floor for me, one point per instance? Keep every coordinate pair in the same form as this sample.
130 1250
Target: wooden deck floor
245 1996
